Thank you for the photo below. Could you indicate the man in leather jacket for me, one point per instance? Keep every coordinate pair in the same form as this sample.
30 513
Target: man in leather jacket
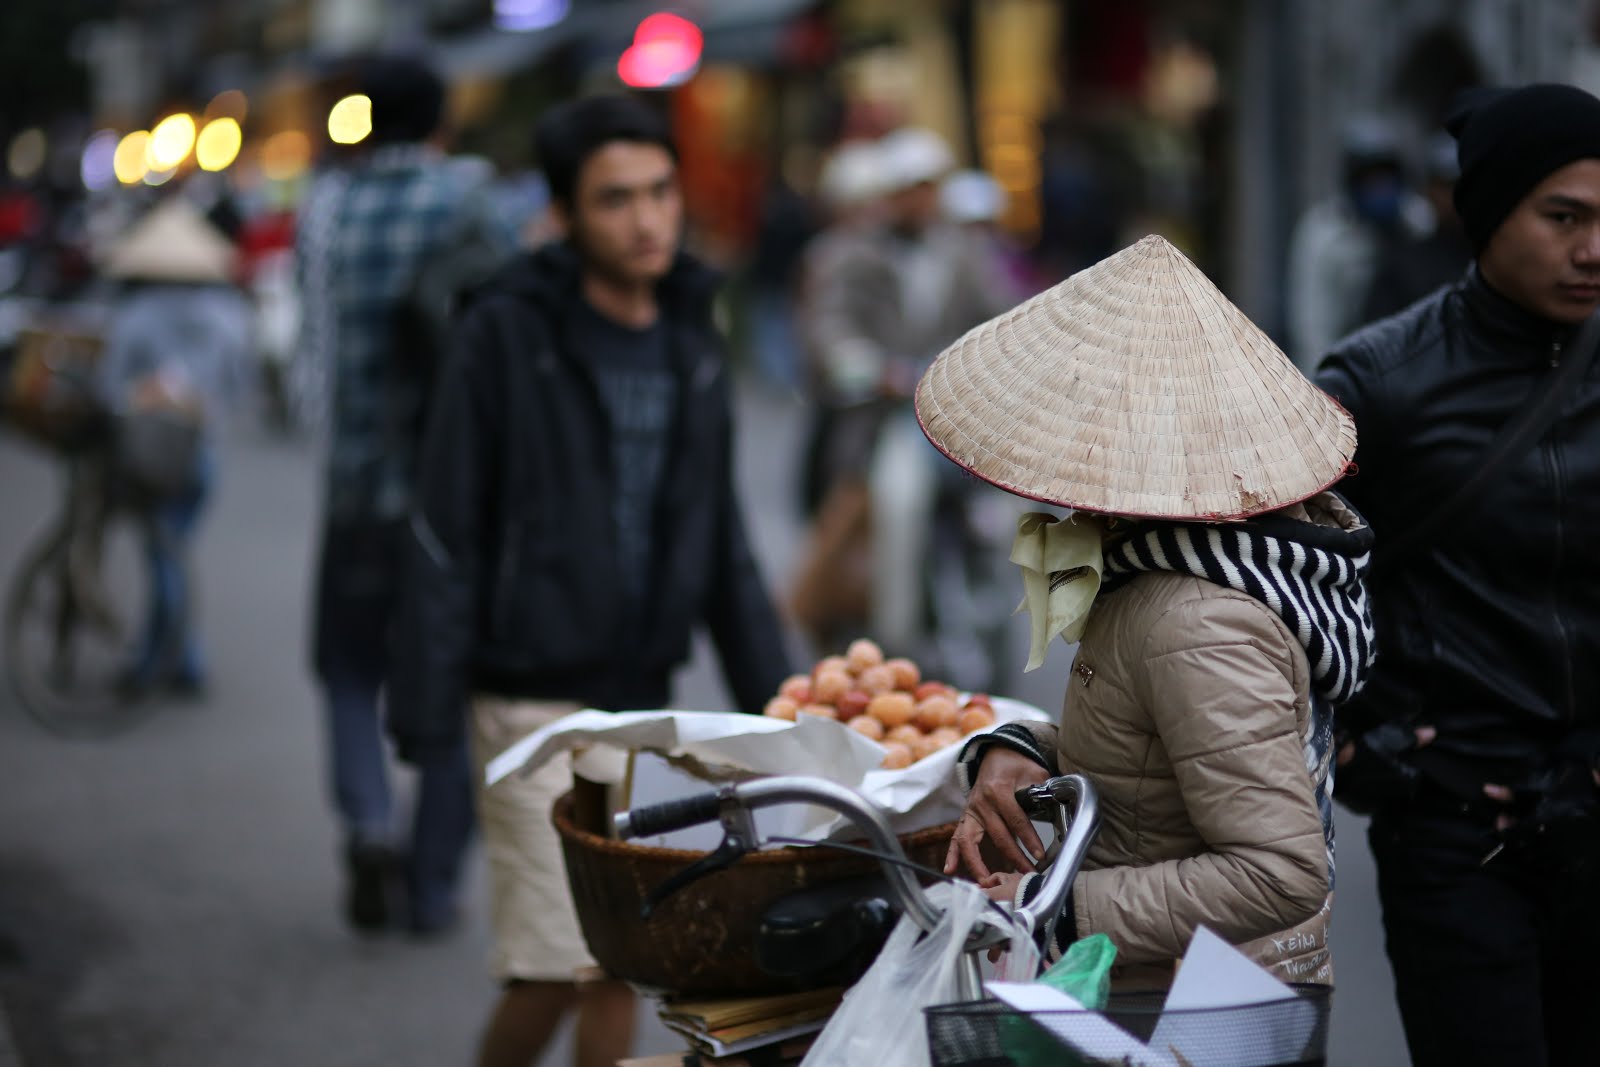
1474 746
576 522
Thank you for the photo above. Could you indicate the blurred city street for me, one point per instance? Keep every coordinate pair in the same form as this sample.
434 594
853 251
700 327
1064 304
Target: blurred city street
169 897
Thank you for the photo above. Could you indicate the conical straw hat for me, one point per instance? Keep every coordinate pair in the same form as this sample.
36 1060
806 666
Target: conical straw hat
173 242
1135 388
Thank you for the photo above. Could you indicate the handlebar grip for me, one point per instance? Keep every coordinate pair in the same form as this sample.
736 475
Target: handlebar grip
669 815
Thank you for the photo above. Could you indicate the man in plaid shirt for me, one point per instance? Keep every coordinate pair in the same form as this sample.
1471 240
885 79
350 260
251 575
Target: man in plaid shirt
401 210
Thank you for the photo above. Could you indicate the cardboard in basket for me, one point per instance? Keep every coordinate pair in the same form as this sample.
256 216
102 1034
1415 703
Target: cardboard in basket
722 746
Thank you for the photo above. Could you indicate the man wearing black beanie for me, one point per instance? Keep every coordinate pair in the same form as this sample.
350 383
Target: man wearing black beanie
1476 745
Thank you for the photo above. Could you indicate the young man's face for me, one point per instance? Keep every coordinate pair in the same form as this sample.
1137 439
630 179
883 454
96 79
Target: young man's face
1546 254
626 214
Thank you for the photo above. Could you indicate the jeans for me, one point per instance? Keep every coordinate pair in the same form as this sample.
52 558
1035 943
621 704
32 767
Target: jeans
168 647
354 601
1494 963
442 822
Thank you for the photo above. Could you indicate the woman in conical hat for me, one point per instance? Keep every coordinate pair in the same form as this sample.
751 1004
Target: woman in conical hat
1214 583
178 349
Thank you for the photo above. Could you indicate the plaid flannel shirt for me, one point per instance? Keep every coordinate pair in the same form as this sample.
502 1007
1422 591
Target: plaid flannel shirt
386 218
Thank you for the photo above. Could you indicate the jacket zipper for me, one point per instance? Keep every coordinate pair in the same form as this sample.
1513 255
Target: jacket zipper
1557 563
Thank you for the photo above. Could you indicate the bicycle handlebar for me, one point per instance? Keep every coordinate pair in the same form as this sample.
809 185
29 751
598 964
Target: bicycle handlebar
669 815
727 803
794 789
1071 846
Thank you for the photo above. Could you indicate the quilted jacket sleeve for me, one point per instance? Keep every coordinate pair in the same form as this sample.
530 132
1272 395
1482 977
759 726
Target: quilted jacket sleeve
1219 686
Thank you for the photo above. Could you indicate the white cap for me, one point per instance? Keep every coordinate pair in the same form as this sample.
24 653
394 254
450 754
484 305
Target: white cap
972 196
916 155
854 174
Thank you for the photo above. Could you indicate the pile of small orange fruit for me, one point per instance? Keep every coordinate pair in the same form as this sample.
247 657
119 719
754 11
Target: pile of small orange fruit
885 700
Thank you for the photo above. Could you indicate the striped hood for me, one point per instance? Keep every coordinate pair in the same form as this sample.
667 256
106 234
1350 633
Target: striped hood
1308 565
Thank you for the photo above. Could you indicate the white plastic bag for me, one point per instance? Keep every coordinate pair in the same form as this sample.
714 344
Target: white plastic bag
1021 961
880 1022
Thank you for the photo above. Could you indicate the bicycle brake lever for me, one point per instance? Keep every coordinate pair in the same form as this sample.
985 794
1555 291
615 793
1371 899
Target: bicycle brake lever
724 856
1040 803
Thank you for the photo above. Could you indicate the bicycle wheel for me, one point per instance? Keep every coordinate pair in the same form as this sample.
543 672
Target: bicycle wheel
73 612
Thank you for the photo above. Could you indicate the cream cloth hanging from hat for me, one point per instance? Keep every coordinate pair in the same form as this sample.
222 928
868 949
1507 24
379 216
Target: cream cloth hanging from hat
1061 567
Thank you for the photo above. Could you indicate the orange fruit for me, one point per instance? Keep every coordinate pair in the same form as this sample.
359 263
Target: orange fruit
892 708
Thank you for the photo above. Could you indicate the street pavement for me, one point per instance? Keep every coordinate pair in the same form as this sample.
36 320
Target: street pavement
169 897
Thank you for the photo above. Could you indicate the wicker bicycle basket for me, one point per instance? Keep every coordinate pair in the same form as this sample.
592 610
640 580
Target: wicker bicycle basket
700 941
48 392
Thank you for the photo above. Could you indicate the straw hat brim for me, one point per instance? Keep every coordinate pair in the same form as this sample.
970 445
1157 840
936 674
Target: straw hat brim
1135 388
173 243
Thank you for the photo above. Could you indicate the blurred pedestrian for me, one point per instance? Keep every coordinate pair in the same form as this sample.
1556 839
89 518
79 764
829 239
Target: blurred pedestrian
1411 268
1335 246
576 522
850 190
893 296
1476 747
773 283
178 347
975 201
399 215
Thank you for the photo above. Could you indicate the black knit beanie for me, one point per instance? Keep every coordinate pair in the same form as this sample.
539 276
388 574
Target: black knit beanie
1509 140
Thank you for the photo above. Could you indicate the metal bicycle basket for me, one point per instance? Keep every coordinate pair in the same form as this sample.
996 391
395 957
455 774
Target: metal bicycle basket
988 1033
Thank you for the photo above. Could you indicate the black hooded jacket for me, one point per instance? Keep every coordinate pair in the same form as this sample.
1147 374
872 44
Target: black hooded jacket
512 581
1492 632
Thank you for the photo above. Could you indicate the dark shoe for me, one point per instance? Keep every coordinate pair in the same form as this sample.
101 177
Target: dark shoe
372 899
189 688
436 926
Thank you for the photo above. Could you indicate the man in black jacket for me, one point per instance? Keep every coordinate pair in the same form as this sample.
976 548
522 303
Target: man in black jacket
576 521
1475 745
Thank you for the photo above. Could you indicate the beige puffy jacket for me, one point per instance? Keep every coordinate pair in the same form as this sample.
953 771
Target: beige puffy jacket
1189 707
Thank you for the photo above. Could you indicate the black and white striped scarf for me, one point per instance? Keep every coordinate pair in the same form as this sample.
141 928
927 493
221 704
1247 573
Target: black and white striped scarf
1311 574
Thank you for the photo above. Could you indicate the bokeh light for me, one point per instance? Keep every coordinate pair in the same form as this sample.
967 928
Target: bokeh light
525 16
285 156
27 154
665 52
350 120
170 142
98 167
218 144
129 162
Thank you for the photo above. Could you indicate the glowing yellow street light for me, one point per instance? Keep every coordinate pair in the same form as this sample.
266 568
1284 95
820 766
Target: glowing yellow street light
350 120
170 142
218 144
129 163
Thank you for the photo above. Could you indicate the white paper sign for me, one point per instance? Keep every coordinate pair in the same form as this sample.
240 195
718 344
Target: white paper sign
921 795
1214 974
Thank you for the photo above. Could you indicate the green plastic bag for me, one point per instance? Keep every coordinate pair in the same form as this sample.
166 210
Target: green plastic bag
1084 974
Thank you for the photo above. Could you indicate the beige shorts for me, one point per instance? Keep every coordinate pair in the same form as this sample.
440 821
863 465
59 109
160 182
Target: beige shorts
536 932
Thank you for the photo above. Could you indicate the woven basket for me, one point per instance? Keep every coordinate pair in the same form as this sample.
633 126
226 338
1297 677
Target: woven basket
699 942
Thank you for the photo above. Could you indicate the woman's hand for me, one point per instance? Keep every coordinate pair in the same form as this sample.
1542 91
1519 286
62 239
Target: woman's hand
994 816
1001 888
